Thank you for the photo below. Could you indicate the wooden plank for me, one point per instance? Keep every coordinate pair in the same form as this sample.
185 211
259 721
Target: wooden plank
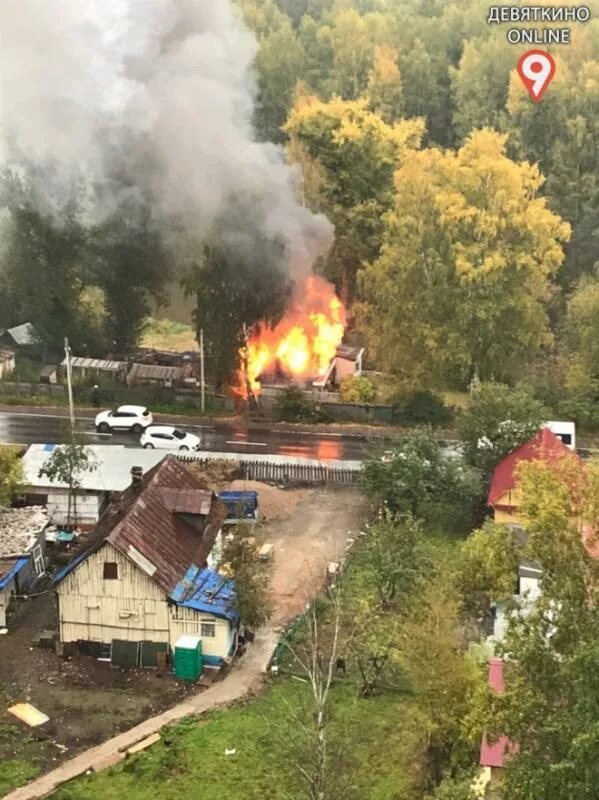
145 743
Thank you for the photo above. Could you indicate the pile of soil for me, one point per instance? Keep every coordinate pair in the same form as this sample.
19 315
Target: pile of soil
273 503
217 475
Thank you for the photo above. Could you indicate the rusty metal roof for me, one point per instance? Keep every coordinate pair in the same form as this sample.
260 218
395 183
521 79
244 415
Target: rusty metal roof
155 372
188 501
144 527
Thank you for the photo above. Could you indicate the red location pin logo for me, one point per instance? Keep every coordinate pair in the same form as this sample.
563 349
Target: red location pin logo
536 68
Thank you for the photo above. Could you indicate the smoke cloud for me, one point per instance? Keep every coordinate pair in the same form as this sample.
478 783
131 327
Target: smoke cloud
137 101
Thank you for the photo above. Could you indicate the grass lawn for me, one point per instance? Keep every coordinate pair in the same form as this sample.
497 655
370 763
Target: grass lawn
16 773
375 735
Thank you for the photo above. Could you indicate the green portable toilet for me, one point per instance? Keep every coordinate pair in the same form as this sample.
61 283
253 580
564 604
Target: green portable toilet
188 657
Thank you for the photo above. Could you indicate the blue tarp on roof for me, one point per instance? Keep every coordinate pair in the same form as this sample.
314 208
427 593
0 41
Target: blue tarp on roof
14 570
206 590
240 505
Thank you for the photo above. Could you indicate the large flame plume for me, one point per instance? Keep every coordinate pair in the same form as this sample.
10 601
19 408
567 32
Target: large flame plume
304 342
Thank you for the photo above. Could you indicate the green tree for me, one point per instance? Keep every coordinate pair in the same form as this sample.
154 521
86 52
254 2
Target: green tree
442 680
357 154
469 249
11 474
481 84
581 329
240 558
41 278
489 561
131 266
280 64
549 677
421 480
497 420
387 564
66 465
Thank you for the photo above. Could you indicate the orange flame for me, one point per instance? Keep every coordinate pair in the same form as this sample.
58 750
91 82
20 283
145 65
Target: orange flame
304 341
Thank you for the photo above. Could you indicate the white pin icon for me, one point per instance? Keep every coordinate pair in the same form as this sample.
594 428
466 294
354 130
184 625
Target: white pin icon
536 69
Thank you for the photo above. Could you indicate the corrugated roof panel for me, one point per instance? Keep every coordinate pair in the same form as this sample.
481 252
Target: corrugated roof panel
188 501
206 590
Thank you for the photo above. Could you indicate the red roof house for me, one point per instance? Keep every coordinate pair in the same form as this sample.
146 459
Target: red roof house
503 494
493 755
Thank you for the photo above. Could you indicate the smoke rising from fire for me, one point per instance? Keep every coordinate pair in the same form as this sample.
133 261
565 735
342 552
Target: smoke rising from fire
145 101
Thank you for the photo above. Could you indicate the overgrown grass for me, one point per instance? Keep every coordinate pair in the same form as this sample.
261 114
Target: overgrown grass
163 334
190 760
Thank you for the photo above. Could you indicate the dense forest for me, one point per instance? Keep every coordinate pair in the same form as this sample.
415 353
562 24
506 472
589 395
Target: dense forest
465 216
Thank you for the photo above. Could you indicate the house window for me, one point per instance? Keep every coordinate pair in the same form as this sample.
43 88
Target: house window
208 630
111 571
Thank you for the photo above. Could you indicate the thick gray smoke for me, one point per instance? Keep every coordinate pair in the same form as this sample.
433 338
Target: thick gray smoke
152 99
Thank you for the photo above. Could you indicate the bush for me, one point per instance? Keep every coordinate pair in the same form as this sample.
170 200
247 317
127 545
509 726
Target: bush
582 410
356 389
293 406
421 408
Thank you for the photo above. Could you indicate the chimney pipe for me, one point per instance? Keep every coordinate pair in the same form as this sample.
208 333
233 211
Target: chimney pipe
137 476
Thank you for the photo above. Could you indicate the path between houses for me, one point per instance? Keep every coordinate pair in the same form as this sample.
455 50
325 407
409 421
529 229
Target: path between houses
245 677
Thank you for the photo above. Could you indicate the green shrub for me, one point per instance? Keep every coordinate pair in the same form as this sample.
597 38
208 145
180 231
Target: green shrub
421 408
356 389
293 406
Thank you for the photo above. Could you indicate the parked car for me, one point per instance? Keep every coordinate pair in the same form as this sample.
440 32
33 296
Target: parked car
165 437
128 418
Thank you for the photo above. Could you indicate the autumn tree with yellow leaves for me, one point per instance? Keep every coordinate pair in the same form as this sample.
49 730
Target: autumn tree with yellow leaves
353 155
469 249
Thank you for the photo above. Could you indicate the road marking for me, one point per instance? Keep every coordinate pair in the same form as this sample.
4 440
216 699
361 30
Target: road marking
254 444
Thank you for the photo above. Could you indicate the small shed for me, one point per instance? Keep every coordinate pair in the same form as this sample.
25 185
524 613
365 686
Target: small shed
49 374
82 368
22 552
153 374
7 361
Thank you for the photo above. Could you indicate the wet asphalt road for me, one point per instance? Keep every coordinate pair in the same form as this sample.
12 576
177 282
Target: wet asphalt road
45 428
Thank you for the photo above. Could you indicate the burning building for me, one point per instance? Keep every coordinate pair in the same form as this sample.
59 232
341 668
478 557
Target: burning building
302 346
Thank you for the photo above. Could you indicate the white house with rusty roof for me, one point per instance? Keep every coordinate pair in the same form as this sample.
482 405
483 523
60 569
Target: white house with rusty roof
144 577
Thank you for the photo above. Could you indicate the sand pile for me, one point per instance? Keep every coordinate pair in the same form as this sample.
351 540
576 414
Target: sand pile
273 502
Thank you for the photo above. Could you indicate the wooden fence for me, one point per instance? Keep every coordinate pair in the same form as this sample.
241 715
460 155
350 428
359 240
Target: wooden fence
269 472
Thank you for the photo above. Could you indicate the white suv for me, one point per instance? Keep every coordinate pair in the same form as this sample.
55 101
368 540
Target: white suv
127 418
165 437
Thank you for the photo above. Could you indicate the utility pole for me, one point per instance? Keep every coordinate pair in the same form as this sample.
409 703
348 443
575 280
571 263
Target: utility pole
67 352
202 369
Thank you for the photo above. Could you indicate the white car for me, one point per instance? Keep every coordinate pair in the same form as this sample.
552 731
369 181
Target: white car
127 418
165 437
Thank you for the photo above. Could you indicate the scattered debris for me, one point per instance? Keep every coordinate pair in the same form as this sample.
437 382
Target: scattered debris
28 714
265 551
